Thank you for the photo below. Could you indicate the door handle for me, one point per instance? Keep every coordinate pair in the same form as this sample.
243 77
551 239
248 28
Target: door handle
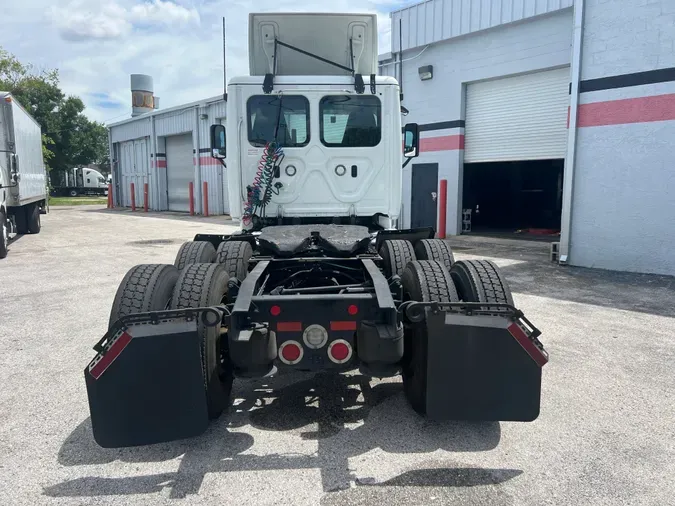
433 196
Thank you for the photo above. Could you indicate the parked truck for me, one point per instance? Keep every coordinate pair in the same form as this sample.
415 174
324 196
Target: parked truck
320 276
78 181
23 177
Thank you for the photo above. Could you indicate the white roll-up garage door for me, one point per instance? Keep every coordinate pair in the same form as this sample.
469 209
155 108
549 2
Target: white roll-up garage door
517 118
179 171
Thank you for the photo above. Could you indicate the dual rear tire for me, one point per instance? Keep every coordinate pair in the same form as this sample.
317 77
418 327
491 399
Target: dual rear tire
156 287
430 280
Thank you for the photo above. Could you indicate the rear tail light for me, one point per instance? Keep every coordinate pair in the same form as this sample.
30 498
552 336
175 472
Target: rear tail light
353 309
275 310
291 352
340 351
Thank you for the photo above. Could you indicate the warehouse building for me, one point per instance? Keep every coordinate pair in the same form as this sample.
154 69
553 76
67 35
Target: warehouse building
548 115
167 149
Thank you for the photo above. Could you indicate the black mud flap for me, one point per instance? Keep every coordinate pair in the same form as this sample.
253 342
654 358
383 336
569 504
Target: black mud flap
482 367
146 384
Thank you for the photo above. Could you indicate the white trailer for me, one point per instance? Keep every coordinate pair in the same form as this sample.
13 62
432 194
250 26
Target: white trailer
23 177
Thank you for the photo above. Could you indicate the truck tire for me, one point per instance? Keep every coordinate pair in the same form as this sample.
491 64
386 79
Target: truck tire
33 218
423 281
73 193
146 287
234 255
4 235
201 285
195 252
20 220
435 249
480 281
396 254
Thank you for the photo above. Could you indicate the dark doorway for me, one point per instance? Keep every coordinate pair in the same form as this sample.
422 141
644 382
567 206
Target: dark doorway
424 195
520 196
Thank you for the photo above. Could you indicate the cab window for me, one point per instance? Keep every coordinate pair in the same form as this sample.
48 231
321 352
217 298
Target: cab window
287 115
350 121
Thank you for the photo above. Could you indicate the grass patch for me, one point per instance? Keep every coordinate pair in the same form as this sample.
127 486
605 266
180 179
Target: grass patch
77 201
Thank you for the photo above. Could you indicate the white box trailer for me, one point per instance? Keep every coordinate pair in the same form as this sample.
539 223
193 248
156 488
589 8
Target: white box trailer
23 177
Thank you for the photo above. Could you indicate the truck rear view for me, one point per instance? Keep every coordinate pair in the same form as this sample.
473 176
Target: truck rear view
320 277
23 177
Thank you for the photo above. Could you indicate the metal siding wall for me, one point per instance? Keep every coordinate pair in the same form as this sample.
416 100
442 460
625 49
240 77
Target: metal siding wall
175 122
436 20
133 130
212 170
623 205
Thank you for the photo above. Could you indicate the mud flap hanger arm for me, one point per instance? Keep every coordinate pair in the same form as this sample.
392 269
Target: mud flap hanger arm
359 86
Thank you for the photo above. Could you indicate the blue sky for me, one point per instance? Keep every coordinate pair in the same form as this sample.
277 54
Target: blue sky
97 44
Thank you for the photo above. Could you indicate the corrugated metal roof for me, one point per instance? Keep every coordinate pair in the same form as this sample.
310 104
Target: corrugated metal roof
435 20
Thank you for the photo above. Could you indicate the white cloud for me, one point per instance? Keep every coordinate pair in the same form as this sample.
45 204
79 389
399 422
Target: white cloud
97 44
80 20
159 11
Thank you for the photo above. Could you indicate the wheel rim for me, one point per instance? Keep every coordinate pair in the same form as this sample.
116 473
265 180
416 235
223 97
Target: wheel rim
5 236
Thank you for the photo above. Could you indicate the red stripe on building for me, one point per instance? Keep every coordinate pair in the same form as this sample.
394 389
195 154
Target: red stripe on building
159 163
442 143
206 160
626 111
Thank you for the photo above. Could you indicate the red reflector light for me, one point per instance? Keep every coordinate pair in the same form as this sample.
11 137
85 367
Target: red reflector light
340 351
337 326
289 326
539 356
275 310
291 352
352 310
113 352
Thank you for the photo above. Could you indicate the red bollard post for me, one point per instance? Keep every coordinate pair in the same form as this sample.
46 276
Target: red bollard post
191 195
133 197
145 197
110 199
205 197
443 205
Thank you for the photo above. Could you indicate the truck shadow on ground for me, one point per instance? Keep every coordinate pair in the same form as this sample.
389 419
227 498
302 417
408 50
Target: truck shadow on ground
347 416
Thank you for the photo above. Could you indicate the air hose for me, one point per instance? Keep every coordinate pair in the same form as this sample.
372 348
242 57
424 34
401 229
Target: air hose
261 190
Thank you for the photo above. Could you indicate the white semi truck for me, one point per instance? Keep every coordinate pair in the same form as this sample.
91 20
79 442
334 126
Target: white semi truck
78 181
320 277
23 177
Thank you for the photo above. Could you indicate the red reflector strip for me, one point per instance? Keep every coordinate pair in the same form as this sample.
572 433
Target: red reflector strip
337 326
114 352
289 326
539 356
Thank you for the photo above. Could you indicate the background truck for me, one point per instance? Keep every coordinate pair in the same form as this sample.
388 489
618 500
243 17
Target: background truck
319 278
23 177
78 181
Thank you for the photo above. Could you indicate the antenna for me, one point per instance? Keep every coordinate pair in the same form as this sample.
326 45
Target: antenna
224 64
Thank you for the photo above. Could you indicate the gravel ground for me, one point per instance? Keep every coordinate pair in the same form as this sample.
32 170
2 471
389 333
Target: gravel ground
605 434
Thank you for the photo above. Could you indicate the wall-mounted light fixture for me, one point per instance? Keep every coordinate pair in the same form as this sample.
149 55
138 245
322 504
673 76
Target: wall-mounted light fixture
204 116
426 72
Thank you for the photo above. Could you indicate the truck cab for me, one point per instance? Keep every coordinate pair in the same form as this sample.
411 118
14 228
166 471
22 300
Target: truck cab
313 134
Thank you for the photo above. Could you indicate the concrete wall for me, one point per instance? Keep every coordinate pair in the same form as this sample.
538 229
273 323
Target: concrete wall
535 44
623 207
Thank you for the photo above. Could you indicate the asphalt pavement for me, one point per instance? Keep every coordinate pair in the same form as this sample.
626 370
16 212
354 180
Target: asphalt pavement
604 437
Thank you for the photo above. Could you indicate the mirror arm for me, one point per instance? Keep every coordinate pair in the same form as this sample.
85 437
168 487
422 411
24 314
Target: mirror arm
406 162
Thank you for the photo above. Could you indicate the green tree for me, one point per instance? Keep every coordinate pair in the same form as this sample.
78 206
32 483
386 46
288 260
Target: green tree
69 138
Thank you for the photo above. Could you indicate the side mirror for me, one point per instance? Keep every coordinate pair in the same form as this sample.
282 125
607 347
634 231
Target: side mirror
218 147
411 140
